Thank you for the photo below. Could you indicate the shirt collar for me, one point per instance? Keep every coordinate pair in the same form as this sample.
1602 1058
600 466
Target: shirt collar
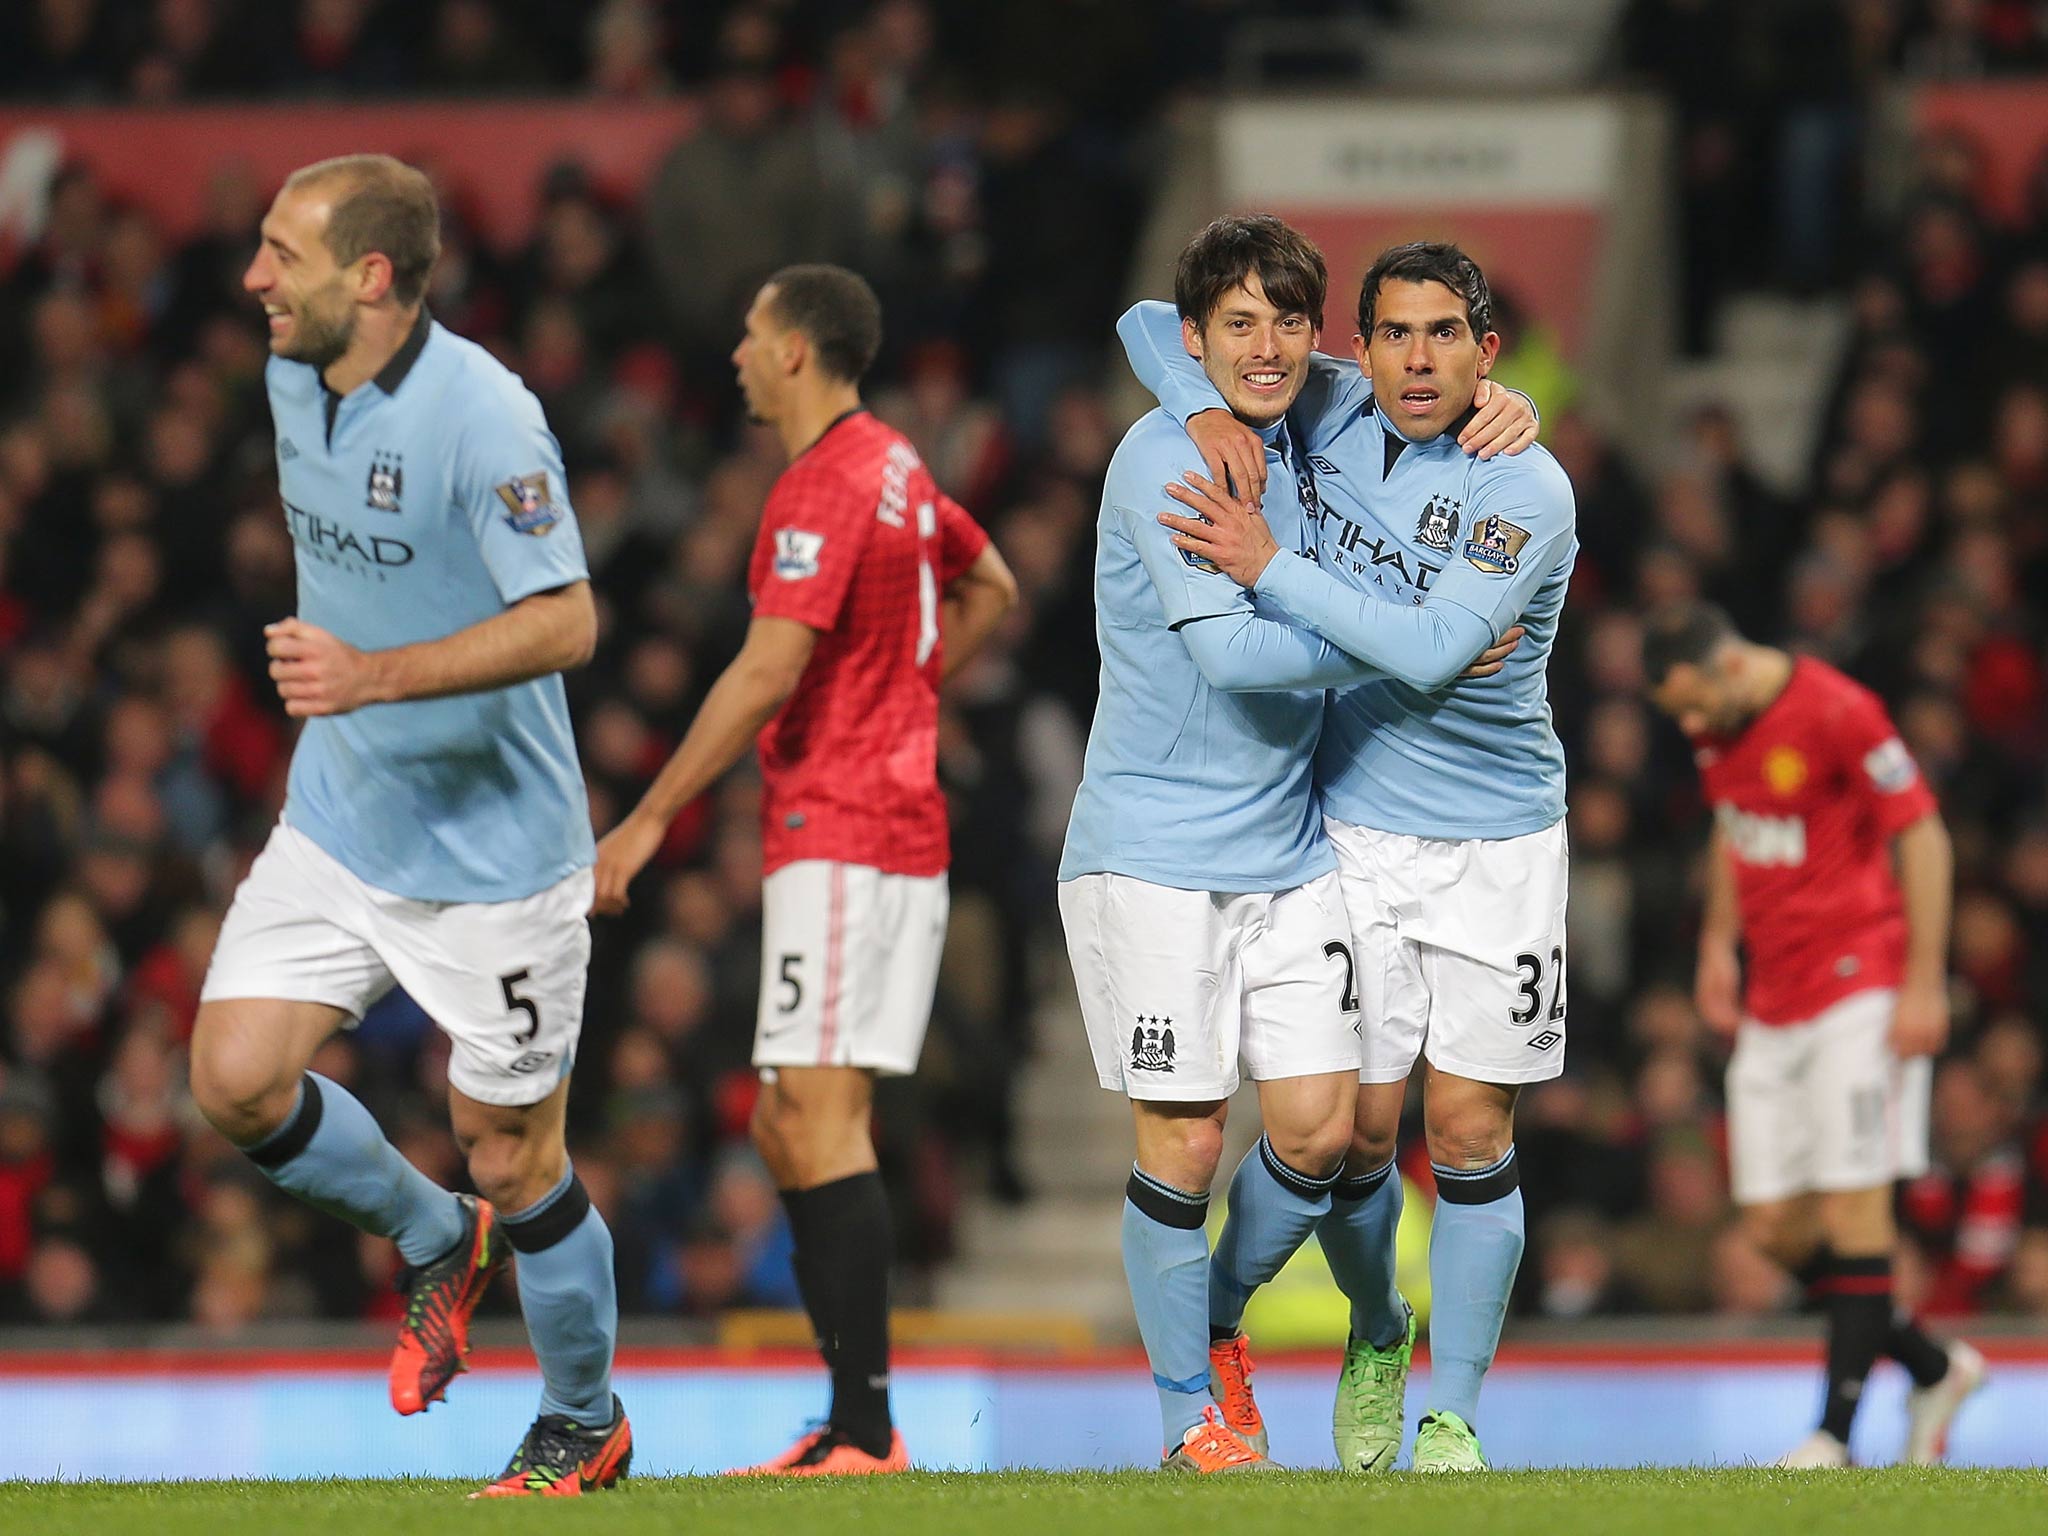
1448 435
393 373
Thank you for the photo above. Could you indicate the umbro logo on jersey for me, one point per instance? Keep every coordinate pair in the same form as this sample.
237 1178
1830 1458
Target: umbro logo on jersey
1152 1044
287 450
1321 465
1545 1040
387 481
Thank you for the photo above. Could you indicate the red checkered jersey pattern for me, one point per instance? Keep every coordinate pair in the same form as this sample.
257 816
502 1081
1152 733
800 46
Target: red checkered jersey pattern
858 543
1807 799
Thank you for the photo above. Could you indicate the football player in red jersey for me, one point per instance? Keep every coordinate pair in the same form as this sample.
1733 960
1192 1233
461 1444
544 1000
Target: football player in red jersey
1829 865
868 585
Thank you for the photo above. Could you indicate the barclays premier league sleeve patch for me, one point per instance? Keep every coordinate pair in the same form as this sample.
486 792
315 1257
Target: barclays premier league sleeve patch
796 553
528 506
1495 546
1890 766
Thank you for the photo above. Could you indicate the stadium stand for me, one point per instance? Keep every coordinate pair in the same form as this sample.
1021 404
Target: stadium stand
141 748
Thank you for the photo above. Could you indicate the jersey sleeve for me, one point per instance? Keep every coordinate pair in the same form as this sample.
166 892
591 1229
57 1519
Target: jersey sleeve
1878 766
510 484
1189 587
1425 646
961 540
1519 525
816 529
1335 392
1150 332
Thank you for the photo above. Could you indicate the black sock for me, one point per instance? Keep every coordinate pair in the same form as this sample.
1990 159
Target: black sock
1812 1279
842 1235
800 1260
1925 1360
1859 1310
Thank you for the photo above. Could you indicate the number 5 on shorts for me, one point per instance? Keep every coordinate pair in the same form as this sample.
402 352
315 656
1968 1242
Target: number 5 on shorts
514 1003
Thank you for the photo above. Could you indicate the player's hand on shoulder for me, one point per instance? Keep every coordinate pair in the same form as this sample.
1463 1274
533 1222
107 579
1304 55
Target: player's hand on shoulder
1504 422
1920 1022
318 673
1717 989
621 854
1228 533
1234 453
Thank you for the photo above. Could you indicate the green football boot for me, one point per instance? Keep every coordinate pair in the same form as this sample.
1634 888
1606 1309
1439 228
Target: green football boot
1445 1443
1372 1393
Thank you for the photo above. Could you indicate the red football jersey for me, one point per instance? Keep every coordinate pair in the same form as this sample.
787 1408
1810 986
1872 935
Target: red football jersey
858 542
1808 797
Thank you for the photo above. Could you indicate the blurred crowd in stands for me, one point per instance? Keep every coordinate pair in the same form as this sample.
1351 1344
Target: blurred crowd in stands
142 550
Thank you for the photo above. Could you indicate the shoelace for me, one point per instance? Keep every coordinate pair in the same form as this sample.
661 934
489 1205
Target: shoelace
554 1446
417 1299
1221 1442
1237 1385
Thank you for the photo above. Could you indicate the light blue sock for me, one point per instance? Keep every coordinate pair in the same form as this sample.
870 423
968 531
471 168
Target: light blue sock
1273 1208
563 1251
1166 1261
1475 1247
331 1153
1358 1240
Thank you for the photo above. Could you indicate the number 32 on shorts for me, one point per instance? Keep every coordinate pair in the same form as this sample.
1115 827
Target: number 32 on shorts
1529 1004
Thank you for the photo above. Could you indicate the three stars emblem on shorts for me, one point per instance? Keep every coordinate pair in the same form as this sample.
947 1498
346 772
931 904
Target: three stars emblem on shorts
1152 1044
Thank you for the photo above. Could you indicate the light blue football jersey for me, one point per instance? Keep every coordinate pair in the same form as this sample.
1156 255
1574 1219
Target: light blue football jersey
1471 547
423 502
1189 784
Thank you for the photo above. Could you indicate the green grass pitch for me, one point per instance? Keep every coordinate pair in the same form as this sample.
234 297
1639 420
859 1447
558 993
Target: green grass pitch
1745 1502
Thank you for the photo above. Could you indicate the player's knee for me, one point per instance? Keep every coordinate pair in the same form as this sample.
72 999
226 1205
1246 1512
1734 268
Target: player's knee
515 1171
765 1127
1469 1136
1772 1231
1317 1149
1372 1148
1183 1151
243 1095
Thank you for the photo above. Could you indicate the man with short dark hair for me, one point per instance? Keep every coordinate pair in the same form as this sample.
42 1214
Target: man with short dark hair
1829 865
435 833
1199 892
869 586
1443 797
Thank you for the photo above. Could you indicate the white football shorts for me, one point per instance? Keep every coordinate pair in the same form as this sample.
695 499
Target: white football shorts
849 964
1461 951
1825 1105
503 979
1176 986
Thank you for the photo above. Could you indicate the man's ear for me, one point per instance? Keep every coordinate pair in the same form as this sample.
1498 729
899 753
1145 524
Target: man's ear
796 351
372 277
1489 352
1362 354
1191 338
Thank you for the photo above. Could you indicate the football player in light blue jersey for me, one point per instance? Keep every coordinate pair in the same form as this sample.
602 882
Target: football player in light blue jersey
1198 889
1445 799
435 834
